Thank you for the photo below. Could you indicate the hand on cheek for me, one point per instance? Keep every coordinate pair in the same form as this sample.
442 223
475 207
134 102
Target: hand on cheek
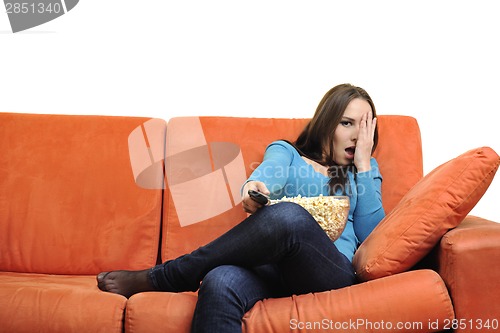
364 143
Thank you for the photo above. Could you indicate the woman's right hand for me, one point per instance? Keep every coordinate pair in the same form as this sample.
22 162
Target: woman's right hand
250 205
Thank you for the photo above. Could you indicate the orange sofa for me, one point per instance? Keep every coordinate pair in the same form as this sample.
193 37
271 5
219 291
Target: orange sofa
85 194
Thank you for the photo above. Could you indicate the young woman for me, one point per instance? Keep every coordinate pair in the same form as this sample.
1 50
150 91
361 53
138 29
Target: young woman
280 250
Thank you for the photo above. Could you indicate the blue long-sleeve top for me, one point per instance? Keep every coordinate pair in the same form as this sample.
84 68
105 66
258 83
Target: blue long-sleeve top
286 173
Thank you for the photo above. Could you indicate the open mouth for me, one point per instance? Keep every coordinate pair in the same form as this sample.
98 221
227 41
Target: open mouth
350 151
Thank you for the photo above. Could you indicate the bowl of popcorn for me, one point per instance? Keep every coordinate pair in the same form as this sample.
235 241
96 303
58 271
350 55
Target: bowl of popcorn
331 212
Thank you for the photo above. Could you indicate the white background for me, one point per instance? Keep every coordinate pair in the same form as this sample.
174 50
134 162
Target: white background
437 61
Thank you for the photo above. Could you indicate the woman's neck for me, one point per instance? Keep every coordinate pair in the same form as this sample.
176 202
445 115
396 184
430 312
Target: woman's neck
316 166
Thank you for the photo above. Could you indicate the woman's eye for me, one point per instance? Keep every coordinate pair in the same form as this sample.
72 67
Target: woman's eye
345 123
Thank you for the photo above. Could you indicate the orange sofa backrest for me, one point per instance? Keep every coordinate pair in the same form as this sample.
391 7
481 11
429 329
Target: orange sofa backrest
80 194
68 200
201 181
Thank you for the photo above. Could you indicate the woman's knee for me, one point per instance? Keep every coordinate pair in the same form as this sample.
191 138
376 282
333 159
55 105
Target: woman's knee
234 281
221 278
290 216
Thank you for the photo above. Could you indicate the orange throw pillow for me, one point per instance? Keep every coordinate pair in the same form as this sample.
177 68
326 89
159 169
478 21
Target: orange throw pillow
437 203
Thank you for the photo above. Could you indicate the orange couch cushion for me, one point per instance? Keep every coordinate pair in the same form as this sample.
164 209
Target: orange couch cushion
57 303
399 156
439 202
69 203
414 301
154 312
399 149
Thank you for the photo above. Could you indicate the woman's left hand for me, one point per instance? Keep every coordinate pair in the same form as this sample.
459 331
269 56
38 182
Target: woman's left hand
364 143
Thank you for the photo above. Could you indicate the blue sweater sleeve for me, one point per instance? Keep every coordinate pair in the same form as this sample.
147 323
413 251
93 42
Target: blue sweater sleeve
274 169
369 211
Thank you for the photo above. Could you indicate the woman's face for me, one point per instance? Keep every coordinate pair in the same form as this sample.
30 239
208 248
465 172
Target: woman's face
346 133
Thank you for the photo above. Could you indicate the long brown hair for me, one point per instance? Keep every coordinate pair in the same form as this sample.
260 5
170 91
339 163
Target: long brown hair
319 132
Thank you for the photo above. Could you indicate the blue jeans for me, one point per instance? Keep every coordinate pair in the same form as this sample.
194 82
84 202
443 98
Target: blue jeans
278 251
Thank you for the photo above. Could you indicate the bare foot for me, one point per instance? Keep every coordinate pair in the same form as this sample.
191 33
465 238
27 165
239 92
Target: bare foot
125 283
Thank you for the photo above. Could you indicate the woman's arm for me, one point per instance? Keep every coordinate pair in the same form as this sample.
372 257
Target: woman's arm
270 175
369 211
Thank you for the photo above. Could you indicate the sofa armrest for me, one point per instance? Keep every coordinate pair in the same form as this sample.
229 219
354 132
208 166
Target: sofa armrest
467 259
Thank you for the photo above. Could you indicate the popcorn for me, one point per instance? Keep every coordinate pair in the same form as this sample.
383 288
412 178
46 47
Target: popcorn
330 212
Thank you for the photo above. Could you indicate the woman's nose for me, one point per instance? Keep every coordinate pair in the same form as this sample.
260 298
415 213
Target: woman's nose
354 134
